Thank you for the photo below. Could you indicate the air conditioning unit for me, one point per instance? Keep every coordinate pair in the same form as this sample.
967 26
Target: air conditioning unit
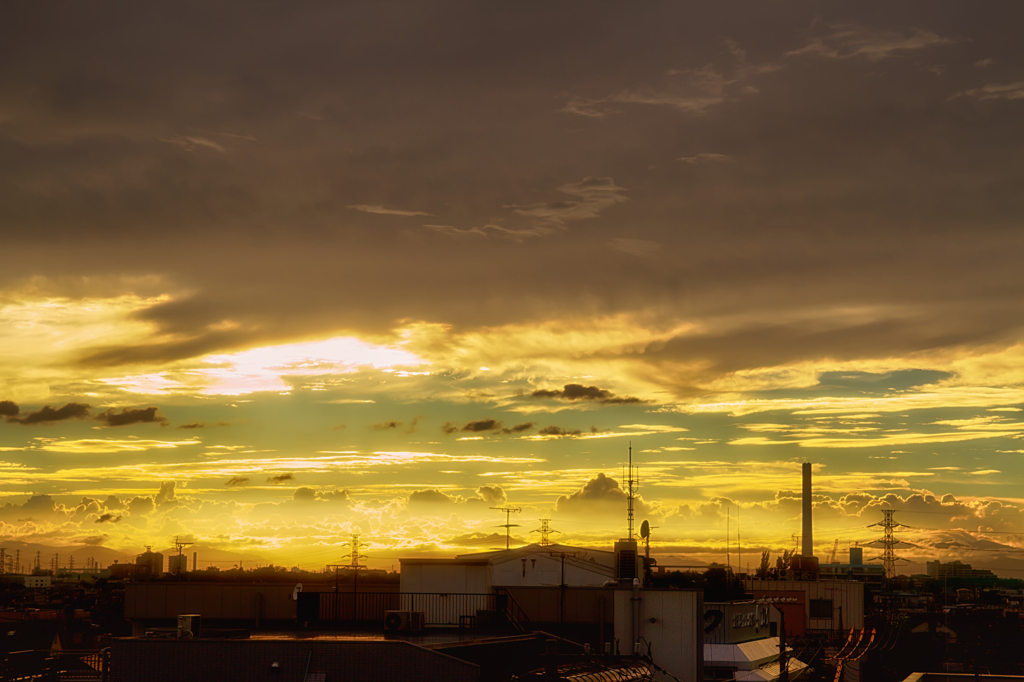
190 625
396 621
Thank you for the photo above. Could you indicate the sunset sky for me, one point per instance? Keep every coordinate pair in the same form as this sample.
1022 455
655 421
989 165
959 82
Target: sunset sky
276 272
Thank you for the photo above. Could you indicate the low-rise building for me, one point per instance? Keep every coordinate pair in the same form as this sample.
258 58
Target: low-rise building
37 581
532 565
955 569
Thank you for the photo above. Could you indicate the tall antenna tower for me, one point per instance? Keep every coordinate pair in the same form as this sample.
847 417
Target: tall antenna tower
508 526
545 530
632 485
888 541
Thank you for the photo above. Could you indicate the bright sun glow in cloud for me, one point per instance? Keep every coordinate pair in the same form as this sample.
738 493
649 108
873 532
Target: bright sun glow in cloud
266 369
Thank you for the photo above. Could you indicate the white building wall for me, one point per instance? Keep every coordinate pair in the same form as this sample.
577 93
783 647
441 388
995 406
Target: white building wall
544 569
445 577
672 622
37 581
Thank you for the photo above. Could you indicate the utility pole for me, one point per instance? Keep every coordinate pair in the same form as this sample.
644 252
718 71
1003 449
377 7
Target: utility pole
562 584
180 546
783 654
336 567
508 526
783 658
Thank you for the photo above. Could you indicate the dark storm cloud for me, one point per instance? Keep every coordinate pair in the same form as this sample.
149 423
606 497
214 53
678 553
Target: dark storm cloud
128 416
8 408
108 517
558 431
846 146
280 478
519 428
49 415
574 392
840 339
482 425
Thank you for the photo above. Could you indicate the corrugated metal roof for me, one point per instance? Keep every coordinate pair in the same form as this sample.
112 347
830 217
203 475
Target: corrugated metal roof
613 675
746 655
771 671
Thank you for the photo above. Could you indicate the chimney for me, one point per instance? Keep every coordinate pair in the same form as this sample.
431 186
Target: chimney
808 533
195 562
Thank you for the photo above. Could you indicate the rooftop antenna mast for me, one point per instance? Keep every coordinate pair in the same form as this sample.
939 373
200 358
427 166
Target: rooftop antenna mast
545 530
632 485
508 526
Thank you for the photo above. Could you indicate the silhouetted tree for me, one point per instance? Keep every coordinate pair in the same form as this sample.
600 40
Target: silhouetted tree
762 570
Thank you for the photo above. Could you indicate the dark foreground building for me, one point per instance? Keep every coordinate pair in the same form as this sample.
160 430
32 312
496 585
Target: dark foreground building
285 660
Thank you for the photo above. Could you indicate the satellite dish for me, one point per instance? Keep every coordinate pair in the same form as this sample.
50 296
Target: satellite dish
645 530
295 592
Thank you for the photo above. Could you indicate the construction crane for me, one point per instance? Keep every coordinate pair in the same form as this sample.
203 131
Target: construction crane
835 548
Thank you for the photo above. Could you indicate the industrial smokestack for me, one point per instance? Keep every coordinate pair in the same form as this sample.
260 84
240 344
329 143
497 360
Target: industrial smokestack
808 534
195 562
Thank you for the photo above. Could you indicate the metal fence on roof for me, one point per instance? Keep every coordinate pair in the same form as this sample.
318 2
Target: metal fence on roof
452 610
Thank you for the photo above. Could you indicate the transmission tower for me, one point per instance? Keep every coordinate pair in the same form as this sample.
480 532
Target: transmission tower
545 530
889 558
507 525
354 557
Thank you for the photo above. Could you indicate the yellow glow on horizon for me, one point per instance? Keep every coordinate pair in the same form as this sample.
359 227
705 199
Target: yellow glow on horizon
106 445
